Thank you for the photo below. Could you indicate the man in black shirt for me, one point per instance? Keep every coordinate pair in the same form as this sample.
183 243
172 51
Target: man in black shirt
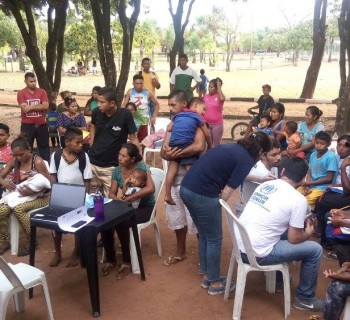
110 128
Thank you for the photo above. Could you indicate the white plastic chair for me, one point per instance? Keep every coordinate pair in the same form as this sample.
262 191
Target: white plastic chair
161 123
14 280
14 231
247 190
158 176
14 226
244 269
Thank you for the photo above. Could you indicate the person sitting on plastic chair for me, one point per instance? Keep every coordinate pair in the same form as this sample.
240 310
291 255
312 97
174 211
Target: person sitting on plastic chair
276 208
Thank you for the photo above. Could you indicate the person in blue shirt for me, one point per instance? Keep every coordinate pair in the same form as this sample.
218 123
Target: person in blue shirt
308 129
323 167
203 87
52 122
264 124
212 177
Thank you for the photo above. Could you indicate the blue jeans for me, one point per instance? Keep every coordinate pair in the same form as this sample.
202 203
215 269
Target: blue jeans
337 293
206 215
309 253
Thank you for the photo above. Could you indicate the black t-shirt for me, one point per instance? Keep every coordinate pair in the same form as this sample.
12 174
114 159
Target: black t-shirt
265 104
111 133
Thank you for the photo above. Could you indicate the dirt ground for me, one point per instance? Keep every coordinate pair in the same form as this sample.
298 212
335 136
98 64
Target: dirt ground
169 292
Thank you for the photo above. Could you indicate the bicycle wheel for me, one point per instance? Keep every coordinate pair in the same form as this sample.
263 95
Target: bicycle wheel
238 130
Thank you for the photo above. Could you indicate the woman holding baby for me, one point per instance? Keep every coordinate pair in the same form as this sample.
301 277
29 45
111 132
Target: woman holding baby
23 165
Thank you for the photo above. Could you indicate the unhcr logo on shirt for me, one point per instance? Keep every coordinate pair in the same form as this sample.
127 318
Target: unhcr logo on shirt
268 189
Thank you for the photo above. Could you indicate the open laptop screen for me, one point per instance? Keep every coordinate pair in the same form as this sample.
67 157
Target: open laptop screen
65 195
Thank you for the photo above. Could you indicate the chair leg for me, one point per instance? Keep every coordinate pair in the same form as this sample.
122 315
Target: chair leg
239 295
157 233
47 297
4 300
271 281
286 287
230 274
154 159
14 234
133 254
19 301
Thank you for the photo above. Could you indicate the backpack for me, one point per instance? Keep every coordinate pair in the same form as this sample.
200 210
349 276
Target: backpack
81 159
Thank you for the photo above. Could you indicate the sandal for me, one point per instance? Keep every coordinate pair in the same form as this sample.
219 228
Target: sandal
107 267
172 260
25 250
4 246
124 270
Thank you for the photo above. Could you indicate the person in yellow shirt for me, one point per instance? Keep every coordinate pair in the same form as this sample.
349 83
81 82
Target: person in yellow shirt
150 78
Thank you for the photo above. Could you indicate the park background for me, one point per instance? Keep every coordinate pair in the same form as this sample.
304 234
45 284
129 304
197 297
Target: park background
173 293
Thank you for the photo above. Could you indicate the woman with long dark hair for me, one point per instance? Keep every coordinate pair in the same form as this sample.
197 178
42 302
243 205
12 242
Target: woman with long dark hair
213 176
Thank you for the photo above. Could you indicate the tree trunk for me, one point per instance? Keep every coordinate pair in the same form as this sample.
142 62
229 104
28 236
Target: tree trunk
319 41
101 13
128 25
49 79
342 121
178 46
330 48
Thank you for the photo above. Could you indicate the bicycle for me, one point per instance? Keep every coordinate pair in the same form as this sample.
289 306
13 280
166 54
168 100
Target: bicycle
239 129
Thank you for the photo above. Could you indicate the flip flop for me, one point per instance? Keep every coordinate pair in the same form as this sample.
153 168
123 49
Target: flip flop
124 270
107 267
173 260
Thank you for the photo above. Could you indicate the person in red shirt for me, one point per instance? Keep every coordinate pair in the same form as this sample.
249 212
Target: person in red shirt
34 103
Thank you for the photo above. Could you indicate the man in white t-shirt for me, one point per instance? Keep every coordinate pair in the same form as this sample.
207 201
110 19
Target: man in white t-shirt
266 168
276 209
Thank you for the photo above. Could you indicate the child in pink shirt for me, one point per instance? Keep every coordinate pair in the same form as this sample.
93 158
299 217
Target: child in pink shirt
5 148
214 101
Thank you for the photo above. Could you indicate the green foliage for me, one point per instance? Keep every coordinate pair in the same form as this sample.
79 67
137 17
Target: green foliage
117 37
80 39
166 37
9 32
300 37
146 35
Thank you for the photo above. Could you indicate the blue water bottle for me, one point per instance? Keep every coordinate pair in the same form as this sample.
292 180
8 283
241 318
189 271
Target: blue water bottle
99 208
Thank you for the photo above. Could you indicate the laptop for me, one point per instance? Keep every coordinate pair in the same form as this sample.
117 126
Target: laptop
64 198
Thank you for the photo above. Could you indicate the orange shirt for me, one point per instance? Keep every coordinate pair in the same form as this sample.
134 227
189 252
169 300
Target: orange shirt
294 141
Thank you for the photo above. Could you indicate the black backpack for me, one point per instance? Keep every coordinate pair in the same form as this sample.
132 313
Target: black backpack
81 158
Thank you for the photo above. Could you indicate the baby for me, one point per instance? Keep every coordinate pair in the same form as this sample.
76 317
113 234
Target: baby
133 184
264 124
37 184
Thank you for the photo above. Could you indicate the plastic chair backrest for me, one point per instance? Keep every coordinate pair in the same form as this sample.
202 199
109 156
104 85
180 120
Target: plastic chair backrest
248 189
158 176
10 274
161 123
233 221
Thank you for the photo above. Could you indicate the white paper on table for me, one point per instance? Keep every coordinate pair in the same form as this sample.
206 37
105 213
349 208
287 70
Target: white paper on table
74 220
